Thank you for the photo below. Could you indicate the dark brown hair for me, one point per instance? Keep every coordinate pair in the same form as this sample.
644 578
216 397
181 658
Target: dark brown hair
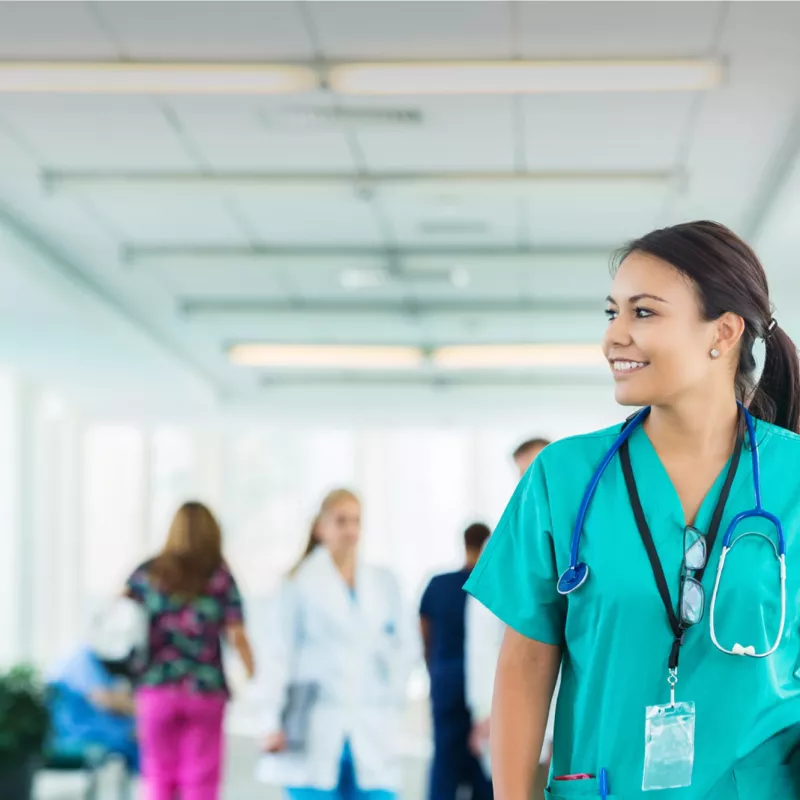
530 444
475 536
730 278
192 553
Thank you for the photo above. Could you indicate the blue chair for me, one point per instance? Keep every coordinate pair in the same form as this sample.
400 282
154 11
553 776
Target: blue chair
71 748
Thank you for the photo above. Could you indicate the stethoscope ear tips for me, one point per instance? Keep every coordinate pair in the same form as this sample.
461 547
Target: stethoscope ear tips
573 578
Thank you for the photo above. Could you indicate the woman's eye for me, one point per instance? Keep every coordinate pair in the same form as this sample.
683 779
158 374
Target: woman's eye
610 314
643 313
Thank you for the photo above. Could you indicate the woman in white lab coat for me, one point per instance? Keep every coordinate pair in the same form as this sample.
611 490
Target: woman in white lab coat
340 636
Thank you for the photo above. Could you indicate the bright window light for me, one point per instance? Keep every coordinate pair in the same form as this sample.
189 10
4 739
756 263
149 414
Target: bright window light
319 356
153 78
526 77
518 356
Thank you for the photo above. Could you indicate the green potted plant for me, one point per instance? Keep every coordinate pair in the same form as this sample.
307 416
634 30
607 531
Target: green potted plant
24 727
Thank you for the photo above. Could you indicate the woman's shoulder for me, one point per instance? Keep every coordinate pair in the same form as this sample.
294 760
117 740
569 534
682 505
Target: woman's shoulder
779 449
572 452
769 432
142 571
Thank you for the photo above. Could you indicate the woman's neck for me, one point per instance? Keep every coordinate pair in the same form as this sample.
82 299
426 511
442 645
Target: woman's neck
345 561
704 425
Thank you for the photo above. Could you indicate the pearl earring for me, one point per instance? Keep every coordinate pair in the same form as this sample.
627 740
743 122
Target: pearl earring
715 353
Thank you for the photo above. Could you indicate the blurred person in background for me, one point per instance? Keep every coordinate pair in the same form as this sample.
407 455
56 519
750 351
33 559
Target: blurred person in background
192 603
91 697
442 609
526 453
484 635
338 651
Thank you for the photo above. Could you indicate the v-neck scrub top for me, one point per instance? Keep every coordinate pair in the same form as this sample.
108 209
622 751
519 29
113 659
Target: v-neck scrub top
614 633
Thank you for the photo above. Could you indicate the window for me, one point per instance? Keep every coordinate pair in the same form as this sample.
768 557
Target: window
114 508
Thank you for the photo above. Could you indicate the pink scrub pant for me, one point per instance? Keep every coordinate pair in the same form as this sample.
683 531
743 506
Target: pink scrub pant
181 740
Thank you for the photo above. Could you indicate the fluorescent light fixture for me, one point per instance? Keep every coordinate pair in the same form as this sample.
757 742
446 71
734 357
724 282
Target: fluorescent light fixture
518 356
326 356
355 279
526 77
153 78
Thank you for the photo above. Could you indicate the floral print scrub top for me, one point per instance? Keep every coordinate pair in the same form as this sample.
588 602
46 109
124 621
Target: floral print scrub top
184 646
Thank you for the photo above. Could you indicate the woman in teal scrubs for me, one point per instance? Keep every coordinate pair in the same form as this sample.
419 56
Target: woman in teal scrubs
686 307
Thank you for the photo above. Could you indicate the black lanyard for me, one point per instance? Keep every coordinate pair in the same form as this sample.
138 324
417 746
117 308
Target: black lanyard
678 630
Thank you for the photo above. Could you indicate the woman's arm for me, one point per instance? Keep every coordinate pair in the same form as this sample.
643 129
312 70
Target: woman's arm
118 701
276 658
237 638
524 682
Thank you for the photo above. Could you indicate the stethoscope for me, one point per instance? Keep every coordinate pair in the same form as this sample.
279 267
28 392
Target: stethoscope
577 573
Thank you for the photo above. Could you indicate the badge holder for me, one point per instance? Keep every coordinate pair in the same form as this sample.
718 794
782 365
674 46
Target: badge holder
669 743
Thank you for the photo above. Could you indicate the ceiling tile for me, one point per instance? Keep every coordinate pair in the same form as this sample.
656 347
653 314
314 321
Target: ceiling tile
617 29
332 215
52 30
605 133
212 31
402 30
271 134
470 214
455 133
170 216
97 132
588 215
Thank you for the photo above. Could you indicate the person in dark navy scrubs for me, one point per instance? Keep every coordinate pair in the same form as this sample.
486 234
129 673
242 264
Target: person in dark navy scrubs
443 633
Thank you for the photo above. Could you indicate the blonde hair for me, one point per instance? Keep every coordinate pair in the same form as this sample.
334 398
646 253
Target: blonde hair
330 501
191 554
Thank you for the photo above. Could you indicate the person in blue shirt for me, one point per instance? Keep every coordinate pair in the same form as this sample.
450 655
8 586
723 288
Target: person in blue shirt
92 702
442 613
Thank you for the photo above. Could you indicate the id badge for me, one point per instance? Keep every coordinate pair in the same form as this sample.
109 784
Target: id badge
668 746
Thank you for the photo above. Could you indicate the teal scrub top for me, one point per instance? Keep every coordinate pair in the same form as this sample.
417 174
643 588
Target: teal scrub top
614 633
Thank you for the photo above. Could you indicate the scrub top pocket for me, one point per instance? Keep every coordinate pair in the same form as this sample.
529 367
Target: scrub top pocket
556 790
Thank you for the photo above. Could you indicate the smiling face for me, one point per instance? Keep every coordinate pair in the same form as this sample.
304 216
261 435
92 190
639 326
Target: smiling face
657 342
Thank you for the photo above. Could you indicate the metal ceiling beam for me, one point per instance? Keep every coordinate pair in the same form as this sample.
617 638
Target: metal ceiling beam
140 255
57 180
487 379
196 307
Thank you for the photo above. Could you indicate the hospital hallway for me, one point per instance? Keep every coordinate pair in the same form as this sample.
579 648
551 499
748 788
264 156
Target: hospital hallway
314 312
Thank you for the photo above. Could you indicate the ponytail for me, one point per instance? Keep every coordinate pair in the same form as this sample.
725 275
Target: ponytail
777 394
311 545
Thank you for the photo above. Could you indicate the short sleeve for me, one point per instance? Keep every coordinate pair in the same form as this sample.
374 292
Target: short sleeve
232 600
136 585
516 575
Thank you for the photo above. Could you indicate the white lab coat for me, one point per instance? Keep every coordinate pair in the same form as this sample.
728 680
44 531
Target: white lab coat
359 651
484 635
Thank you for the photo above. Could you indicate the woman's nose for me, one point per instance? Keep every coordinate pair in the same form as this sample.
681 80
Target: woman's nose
617 332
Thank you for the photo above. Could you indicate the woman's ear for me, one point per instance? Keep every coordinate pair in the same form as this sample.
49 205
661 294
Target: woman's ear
730 328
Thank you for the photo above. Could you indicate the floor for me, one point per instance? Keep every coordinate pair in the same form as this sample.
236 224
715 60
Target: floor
242 730
239 785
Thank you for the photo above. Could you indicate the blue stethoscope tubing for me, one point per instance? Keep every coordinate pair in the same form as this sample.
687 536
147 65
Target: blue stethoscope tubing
728 542
577 572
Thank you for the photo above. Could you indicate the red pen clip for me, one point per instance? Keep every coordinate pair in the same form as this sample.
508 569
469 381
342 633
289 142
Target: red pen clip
582 776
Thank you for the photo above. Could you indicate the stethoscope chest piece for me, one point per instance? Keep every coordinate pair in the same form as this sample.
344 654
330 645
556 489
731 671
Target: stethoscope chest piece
573 578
